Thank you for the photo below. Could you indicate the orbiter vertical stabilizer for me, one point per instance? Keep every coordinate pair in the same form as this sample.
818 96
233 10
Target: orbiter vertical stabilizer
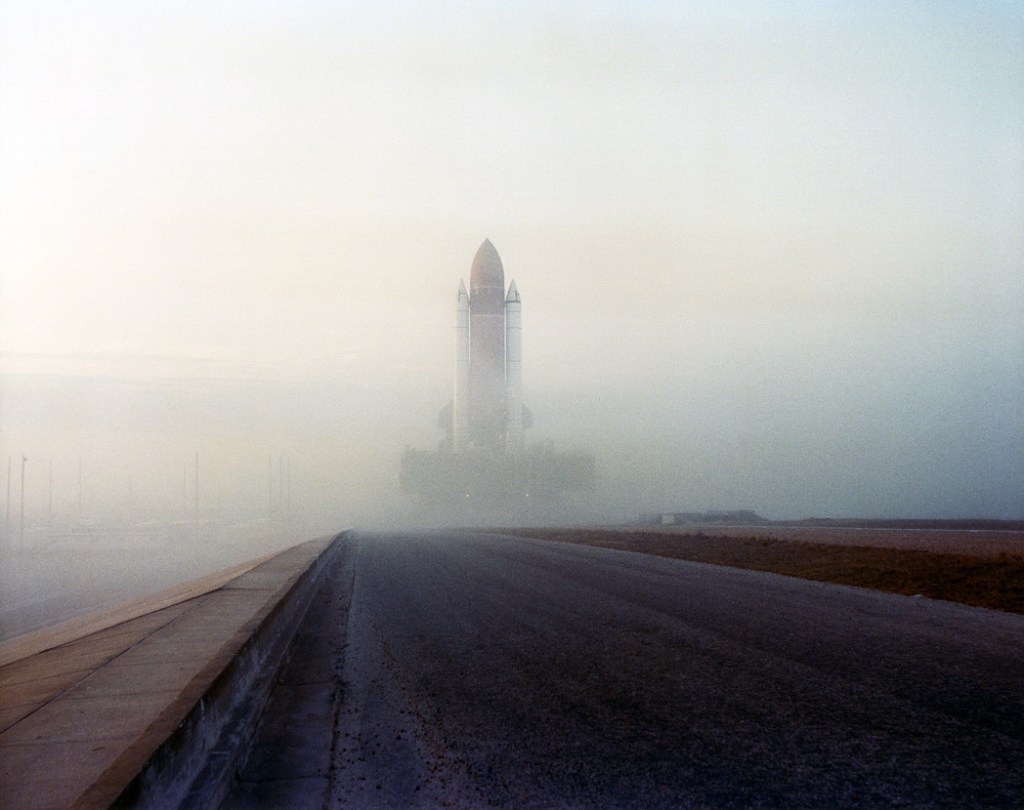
514 368
460 395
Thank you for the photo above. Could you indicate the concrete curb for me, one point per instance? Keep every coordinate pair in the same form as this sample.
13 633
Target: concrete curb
151 712
38 641
194 766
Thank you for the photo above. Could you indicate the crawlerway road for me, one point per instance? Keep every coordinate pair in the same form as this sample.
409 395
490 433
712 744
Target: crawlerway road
474 670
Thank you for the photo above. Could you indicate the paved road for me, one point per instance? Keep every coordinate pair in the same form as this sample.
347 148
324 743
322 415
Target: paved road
482 670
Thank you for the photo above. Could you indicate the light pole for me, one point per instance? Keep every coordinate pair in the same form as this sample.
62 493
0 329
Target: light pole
197 496
24 460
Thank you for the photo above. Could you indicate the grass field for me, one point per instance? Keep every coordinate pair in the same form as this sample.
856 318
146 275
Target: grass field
993 580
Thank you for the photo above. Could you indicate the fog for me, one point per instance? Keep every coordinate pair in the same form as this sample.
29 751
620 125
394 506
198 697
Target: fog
770 258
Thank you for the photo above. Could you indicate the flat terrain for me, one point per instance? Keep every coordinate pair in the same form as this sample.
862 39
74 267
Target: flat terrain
981 568
79 720
477 670
941 537
112 565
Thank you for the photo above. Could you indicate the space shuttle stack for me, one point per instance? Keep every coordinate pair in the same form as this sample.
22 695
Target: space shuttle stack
487 401
514 367
460 399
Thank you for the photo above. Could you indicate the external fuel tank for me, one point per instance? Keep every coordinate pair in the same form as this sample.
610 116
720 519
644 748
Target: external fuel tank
487 394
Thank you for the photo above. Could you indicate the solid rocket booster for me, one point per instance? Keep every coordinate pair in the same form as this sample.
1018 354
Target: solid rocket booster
460 399
487 398
514 367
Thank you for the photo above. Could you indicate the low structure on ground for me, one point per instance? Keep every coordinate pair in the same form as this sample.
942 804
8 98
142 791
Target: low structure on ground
745 517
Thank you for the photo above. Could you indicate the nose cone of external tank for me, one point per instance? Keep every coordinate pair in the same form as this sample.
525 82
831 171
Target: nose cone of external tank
487 270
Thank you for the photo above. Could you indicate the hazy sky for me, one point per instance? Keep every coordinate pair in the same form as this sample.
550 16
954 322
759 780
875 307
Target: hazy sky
771 255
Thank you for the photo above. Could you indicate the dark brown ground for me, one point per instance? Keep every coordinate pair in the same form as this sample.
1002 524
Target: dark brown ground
987 579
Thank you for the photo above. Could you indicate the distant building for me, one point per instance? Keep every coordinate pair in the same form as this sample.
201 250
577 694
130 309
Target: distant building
741 517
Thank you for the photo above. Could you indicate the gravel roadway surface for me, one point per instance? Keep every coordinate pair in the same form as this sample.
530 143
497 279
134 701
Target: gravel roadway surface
474 670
